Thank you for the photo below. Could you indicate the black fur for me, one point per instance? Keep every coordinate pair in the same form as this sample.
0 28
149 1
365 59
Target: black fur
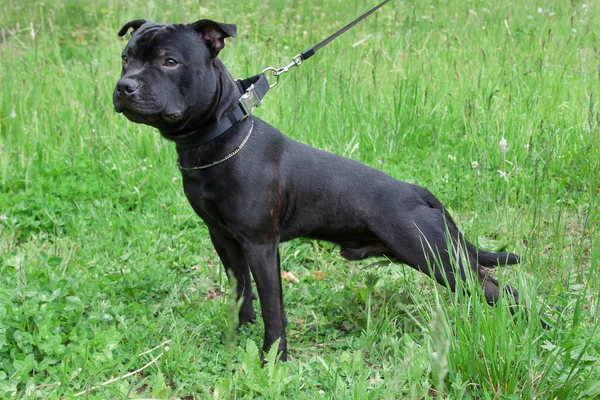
276 189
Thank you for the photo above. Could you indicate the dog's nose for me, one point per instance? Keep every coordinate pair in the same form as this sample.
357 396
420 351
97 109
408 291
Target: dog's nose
126 86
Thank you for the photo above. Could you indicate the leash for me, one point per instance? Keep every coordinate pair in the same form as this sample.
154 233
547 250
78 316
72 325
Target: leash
306 54
255 88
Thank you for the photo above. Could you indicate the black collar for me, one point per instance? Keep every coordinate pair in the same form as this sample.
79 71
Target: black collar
254 89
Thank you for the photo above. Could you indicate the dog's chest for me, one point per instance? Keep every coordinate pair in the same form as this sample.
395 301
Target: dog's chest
204 195
215 200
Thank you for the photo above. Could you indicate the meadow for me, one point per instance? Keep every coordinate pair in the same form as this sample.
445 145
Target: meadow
110 287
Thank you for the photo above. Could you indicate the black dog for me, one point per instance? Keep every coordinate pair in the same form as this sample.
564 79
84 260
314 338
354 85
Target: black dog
255 187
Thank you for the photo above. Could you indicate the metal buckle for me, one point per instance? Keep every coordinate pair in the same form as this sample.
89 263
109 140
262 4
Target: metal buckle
249 101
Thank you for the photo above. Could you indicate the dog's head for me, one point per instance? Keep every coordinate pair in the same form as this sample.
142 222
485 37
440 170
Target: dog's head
168 77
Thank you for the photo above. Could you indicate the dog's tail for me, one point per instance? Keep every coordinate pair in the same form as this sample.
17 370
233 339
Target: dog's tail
484 258
492 260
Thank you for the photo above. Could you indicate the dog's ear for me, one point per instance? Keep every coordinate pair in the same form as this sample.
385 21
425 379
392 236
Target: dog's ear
214 33
135 24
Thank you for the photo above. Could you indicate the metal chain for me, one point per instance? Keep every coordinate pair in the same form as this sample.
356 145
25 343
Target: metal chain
233 153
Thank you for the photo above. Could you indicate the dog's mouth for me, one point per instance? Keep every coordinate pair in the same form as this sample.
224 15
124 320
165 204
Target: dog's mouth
144 107
127 105
172 117
148 115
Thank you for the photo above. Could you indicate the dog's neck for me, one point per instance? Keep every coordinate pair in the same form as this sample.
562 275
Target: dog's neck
225 97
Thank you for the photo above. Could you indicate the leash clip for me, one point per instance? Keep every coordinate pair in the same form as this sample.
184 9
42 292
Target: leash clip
296 61
249 101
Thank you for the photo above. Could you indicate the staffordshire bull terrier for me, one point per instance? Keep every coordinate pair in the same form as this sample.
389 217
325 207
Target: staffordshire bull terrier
255 188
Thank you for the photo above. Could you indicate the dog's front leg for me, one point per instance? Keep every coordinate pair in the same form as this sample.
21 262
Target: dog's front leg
264 263
234 260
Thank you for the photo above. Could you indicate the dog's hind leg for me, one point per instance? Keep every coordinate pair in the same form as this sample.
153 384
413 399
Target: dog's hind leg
425 243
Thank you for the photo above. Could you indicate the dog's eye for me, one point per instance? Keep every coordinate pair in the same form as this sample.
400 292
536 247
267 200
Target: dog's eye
124 60
171 62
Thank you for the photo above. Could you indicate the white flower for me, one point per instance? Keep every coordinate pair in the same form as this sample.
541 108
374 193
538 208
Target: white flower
503 143
474 164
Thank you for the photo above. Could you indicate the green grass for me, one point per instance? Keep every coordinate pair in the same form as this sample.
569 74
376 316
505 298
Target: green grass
102 259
